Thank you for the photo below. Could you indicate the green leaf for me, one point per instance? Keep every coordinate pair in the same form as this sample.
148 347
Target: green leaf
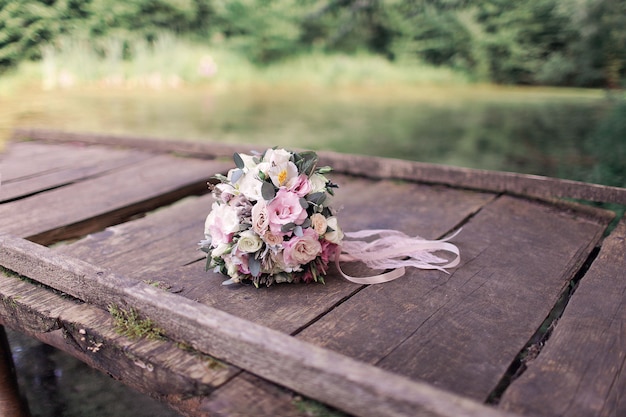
317 198
303 203
238 161
288 227
267 191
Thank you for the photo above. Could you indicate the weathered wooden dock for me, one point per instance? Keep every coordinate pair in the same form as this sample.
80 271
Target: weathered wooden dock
532 323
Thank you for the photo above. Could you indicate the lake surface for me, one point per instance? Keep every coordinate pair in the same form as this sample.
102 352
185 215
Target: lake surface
553 132
575 134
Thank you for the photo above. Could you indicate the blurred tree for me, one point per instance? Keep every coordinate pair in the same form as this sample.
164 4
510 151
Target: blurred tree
557 42
601 48
264 30
27 24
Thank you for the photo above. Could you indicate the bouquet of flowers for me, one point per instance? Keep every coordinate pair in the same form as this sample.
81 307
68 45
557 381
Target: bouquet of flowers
271 221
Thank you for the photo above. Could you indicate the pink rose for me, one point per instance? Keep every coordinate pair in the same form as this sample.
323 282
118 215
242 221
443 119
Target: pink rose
329 250
221 223
283 209
302 250
300 185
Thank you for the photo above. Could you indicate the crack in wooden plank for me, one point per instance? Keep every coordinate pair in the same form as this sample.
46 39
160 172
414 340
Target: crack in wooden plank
536 342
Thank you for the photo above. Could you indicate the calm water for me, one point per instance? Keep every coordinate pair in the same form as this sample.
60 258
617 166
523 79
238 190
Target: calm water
572 134
539 131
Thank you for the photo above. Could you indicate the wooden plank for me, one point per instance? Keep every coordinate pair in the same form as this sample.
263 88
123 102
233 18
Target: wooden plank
149 249
146 247
581 370
461 332
476 179
313 371
99 202
28 168
153 248
158 368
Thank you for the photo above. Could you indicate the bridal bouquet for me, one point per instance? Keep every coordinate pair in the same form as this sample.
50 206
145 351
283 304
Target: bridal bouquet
270 221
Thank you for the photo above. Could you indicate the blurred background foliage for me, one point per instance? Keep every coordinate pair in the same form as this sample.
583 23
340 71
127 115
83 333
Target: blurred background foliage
532 42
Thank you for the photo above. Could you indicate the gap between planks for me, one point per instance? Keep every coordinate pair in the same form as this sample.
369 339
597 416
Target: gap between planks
321 374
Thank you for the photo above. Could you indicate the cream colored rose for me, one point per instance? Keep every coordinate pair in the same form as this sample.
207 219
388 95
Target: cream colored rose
272 239
260 219
318 183
249 242
318 223
301 250
336 235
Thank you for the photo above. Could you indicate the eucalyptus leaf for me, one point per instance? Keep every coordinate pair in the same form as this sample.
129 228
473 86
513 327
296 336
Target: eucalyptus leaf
255 266
238 161
317 198
303 203
298 231
306 223
238 173
267 191
287 227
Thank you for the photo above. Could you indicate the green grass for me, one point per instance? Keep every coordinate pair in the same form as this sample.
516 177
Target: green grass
171 62
130 324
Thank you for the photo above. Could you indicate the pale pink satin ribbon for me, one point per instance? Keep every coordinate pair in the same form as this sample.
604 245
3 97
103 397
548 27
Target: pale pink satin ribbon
394 250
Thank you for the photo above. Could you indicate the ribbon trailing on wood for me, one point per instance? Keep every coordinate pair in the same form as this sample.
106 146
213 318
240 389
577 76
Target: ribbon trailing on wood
394 250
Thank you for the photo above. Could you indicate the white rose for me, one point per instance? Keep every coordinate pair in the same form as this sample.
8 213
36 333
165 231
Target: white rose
263 167
250 186
318 183
220 250
336 235
249 242
248 162
277 156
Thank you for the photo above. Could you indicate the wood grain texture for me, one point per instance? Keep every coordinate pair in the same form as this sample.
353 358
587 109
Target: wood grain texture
318 373
162 240
150 248
93 204
155 247
581 370
461 331
156 367
30 167
476 179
